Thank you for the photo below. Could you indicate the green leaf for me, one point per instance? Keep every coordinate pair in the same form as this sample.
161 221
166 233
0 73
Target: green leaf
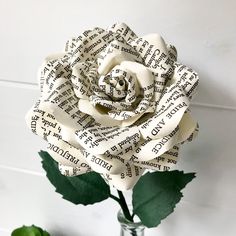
29 231
156 194
84 189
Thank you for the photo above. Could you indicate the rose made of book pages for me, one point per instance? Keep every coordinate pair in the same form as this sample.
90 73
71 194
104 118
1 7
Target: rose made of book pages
114 103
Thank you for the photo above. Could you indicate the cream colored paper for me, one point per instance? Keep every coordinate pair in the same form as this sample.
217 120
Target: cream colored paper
114 103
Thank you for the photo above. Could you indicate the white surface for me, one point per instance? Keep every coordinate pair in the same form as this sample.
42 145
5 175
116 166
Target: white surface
205 35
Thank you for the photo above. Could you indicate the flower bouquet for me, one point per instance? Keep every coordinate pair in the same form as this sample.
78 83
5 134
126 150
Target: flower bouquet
114 110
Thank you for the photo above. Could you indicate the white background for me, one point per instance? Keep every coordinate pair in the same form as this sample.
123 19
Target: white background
204 33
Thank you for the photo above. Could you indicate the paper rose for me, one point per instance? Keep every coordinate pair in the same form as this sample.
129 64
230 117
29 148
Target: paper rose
114 103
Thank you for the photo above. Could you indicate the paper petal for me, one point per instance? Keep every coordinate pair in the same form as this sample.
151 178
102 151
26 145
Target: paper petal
163 162
41 121
73 171
145 80
143 75
64 105
97 140
187 127
187 78
64 153
151 149
88 45
168 114
194 134
123 30
68 135
84 78
155 54
172 51
127 179
103 164
54 67
115 53
86 107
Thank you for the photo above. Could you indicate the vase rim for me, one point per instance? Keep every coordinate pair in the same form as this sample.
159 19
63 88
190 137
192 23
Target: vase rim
123 220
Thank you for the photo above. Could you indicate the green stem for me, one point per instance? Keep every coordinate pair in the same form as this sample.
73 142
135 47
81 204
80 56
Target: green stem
123 205
115 198
133 216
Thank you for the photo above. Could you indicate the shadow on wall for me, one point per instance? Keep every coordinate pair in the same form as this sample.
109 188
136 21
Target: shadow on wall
209 91
64 232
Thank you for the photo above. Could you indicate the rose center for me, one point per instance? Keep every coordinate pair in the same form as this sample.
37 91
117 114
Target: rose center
115 84
121 83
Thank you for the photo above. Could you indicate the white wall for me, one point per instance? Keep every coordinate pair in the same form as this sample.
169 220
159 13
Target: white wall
204 32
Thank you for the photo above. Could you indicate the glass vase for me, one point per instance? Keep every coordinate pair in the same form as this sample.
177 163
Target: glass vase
128 228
